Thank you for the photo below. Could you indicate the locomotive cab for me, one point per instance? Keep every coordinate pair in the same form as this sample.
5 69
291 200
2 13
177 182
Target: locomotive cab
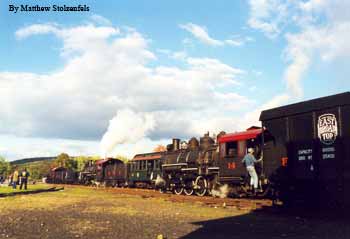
232 149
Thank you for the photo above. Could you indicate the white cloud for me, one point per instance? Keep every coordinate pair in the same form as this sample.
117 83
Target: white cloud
234 42
101 20
106 70
321 31
327 41
36 29
21 147
179 55
268 16
201 34
252 117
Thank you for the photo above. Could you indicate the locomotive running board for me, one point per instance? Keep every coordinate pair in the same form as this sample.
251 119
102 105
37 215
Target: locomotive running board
189 169
174 164
233 179
213 168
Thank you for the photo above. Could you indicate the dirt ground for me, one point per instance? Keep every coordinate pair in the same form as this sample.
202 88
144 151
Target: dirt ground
81 212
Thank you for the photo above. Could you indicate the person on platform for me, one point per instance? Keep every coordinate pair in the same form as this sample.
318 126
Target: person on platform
24 179
249 160
15 178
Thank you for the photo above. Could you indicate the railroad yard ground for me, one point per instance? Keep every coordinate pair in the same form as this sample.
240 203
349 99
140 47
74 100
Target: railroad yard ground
85 212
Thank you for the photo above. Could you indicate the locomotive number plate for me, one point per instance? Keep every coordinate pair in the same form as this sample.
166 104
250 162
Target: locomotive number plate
231 165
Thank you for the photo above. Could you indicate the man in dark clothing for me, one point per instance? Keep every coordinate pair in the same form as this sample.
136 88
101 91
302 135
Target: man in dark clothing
24 179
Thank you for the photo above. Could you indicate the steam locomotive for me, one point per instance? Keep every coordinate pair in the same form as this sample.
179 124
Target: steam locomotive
305 148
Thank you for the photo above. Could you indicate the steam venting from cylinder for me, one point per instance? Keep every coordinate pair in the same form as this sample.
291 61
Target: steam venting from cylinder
221 191
160 182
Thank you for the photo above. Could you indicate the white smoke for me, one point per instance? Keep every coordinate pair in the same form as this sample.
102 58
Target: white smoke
126 127
221 192
160 182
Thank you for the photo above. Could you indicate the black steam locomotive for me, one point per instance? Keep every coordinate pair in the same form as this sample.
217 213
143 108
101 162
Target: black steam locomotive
201 167
306 157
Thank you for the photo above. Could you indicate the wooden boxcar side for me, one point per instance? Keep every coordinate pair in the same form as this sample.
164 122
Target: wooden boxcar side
62 175
311 139
111 172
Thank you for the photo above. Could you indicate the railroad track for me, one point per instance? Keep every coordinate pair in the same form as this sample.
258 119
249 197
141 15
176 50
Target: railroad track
239 203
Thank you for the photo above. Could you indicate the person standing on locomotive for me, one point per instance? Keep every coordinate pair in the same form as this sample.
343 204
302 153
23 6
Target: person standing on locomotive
249 160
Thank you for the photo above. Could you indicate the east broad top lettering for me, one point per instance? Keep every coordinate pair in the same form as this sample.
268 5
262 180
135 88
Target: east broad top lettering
327 128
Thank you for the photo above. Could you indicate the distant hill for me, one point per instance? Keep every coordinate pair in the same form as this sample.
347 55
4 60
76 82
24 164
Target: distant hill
32 160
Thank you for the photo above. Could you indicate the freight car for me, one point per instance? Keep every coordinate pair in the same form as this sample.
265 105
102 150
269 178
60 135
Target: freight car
310 150
62 175
110 172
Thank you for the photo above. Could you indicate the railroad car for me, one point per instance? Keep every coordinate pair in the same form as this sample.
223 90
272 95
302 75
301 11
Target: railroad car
143 169
62 175
111 172
310 150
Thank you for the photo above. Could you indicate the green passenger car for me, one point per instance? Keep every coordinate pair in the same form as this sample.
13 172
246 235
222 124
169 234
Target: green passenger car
143 169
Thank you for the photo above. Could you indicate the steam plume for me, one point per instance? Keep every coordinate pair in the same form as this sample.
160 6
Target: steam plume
126 127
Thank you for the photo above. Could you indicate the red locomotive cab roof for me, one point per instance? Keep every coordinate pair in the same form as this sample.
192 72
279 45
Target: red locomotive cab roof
251 133
147 157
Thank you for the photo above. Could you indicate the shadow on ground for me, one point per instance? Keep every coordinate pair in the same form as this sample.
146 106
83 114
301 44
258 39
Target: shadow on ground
11 194
276 223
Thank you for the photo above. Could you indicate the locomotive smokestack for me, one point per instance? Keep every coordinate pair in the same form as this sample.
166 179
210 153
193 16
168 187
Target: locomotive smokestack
176 144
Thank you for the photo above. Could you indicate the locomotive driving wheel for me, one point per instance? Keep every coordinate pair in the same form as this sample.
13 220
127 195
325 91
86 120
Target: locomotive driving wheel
201 186
178 190
188 189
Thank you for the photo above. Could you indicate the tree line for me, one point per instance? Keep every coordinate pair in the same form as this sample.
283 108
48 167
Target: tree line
40 169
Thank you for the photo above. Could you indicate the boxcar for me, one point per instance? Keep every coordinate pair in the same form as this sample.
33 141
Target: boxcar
111 172
62 175
310 150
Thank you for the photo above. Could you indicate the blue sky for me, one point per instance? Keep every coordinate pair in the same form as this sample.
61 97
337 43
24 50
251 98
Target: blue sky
159 69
